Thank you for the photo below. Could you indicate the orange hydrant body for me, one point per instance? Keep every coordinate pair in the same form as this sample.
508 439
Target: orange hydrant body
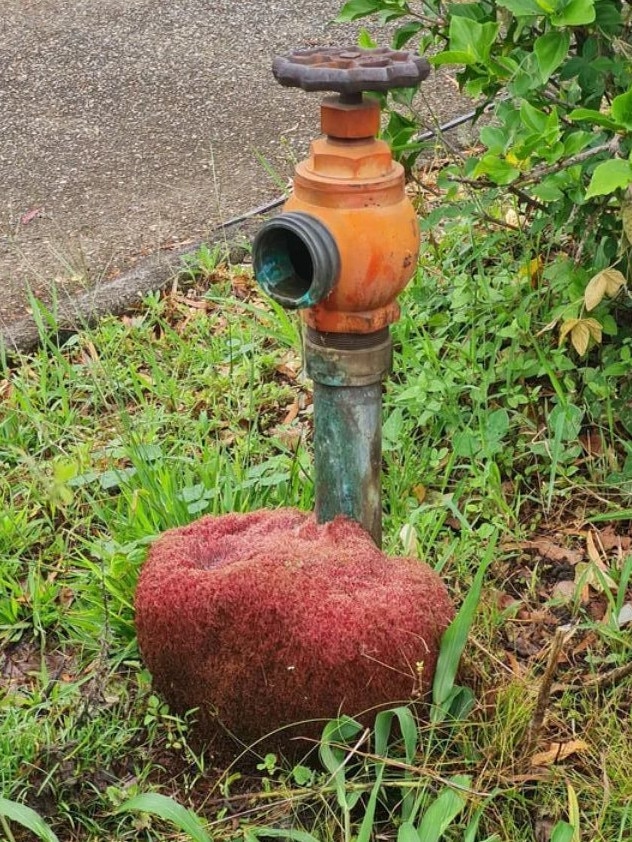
353 185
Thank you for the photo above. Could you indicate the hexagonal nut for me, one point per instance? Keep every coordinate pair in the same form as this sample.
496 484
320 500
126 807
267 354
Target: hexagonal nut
346 121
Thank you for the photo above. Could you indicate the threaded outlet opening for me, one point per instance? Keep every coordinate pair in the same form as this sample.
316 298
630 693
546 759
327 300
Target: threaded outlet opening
296 260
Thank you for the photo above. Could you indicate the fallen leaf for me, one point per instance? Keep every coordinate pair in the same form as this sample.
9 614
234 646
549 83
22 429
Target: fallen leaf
591 442
564 590
625 615
547 549
589 574
607 282
29 216
292 412
420 493
408 537
557 752
593 553
609 540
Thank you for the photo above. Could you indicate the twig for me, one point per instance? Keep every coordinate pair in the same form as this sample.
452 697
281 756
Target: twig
540 172
544 693
598 681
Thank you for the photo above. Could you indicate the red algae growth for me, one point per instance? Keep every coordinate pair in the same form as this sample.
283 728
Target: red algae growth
267 619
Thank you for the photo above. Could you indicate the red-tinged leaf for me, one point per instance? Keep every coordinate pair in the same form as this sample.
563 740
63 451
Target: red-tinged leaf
29 216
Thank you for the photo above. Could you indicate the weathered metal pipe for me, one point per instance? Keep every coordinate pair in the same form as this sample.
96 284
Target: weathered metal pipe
347 370
348 454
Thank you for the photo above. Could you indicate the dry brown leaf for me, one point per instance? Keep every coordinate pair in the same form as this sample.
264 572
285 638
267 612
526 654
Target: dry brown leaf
547 549
292 412
609 540
420 492
607 282
557 752
593 553
626 217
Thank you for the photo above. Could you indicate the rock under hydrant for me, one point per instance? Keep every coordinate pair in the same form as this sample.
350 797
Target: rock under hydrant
267 619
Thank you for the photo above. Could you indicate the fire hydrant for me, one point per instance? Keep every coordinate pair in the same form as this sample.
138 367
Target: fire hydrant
345 245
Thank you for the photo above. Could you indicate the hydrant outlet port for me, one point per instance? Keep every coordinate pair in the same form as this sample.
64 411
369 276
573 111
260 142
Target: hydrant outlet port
296 260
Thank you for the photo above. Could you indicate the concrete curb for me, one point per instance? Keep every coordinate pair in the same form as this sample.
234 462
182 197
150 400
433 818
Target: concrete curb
127 291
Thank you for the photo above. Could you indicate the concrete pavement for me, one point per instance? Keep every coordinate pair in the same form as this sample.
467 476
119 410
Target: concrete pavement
128 126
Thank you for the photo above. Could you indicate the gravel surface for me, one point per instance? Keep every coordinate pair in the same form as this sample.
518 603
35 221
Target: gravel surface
131 125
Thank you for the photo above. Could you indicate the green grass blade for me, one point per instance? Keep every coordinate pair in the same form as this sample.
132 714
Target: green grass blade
28 818
166 808
455 637
366 828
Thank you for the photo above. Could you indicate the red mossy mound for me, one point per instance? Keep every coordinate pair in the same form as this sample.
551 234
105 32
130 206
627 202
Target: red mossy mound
265 619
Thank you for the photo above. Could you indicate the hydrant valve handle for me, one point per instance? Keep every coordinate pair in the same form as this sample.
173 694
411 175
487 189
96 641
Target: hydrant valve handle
350 70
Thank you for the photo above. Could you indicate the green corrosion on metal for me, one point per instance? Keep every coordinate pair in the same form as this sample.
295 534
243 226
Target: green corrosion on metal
348 454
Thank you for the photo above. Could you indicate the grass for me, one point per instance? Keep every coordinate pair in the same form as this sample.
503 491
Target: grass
196 404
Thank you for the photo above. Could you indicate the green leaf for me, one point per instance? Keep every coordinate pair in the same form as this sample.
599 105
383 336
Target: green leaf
355 9
498 169
366 828
473 38
407 833
551 50
595 117
168 809
28 818
253 834
609 176
562 832
407 725
455 637
365 40
404 33
622 109
521 8
452 57
443 810
575 13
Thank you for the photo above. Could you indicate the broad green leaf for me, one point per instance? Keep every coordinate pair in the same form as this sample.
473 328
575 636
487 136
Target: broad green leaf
455 637
499 170
533 118
471 38
404 33
610 176
452 57
407 833
254 834
575 13
562 832
494 138
521 8
595 117
28 818
551 50
443 810
340 730
365 40
171 811
355 9
573 812
622 109
407 725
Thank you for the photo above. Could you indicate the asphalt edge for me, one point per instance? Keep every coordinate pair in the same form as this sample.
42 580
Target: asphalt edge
126 292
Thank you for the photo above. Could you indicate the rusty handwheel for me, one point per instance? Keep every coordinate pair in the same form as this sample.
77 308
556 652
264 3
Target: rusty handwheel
350 70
